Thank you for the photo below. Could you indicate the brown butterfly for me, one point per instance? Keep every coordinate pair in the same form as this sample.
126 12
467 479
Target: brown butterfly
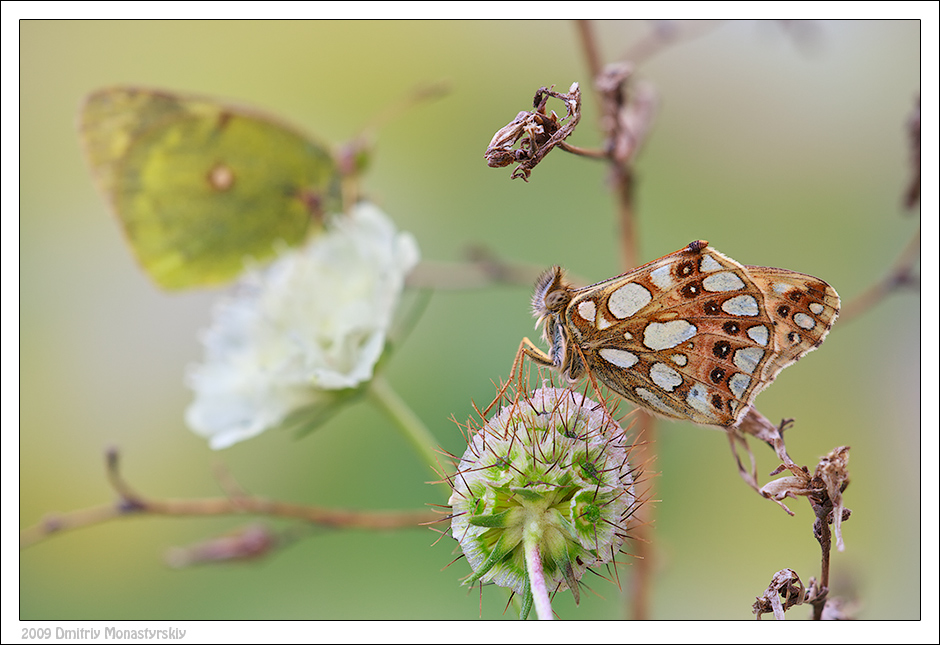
693 335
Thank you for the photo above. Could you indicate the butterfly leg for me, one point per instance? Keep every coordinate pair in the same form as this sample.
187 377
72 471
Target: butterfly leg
526 348
749 475
756 424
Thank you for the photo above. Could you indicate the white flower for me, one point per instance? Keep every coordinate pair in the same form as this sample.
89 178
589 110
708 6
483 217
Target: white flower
314 320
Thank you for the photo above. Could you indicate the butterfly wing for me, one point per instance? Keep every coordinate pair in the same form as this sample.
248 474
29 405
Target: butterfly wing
199 186
803 309
688 336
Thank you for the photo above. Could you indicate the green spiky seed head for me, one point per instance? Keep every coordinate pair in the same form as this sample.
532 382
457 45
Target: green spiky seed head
554 463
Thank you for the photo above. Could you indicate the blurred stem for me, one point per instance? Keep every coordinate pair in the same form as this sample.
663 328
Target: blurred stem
411 427
668 34
642 583
589 47
131 503
901 275
621 170
623 185
481 269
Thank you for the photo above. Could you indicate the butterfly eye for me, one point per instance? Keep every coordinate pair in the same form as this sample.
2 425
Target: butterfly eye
555 300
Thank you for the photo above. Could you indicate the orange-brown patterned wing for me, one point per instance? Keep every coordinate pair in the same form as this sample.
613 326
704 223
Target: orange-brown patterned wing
803 309
695 335
687 336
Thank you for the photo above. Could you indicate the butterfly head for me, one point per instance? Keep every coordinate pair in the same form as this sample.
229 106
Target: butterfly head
549 301
552 294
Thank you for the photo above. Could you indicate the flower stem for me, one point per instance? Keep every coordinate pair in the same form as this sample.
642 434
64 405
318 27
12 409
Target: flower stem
533 564
411 427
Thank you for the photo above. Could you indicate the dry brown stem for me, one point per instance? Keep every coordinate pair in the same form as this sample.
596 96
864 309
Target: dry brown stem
133 504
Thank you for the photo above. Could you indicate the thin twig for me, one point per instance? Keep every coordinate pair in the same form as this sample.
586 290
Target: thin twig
133 504
825 544
484 270
666 33
900 275
583 152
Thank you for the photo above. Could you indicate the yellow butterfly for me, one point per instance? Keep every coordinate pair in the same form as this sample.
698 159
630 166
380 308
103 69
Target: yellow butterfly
199 186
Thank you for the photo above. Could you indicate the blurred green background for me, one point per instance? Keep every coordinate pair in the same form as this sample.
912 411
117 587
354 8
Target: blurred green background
780 151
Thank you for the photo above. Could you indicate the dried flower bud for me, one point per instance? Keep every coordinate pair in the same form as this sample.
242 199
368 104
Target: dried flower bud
832 471
245 543
553 464
536 132
824 488
784 591
839 609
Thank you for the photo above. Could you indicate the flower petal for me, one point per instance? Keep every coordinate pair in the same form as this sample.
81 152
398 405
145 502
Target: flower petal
316 319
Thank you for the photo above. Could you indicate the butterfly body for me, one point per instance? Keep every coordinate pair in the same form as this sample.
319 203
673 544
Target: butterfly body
693 335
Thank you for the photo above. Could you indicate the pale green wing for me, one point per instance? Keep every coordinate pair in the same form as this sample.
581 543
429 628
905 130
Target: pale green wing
199 187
